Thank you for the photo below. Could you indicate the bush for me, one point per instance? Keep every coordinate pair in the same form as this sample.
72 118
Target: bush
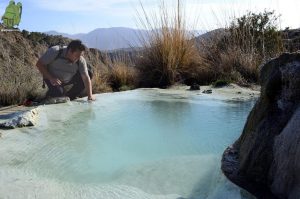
257 34
123 77
220 83
100 79
236 52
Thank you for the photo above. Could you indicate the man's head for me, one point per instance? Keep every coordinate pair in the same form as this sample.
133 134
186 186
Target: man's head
74 50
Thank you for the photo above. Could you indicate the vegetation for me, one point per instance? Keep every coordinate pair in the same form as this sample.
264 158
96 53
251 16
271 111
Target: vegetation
42 38
123 77
257 34
18 80
115 71
169 51
220 83
236 52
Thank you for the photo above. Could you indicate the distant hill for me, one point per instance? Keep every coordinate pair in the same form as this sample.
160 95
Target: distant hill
108 38
211 34
112 38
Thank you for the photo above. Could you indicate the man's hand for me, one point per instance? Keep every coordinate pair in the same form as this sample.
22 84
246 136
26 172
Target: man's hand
91 98
55 81
88 86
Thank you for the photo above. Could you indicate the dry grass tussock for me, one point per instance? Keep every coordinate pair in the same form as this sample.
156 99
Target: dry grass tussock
113 72
169 53
123 77
100 79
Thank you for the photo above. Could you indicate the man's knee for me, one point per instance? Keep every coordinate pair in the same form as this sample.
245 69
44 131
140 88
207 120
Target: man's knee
55 92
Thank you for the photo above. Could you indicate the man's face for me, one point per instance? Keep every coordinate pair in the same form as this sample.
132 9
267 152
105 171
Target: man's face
75 55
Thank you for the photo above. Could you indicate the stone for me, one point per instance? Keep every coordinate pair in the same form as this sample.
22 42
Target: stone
55 100
266 157
208 91
21 119
194 87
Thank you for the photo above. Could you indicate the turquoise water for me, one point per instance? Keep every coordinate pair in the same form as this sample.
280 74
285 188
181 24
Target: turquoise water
155 144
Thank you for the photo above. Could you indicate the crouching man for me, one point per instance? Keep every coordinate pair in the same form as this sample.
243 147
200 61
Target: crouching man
62 66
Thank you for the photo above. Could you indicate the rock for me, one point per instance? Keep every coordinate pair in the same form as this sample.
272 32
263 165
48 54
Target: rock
55 100
268 151
208 91
21 119
286 163
194 87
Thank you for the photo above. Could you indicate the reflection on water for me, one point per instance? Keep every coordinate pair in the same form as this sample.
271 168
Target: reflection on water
159 144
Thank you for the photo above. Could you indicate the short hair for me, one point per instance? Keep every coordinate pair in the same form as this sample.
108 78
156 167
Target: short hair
76 45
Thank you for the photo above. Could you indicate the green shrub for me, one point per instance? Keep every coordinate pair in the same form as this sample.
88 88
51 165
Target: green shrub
257 34
220 83
236 52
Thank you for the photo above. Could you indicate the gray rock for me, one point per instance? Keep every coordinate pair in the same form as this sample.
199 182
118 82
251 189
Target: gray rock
286 164
208 91
55 100
21 119
267 162
195 87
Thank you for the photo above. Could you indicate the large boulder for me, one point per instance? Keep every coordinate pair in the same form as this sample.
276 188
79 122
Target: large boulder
265 160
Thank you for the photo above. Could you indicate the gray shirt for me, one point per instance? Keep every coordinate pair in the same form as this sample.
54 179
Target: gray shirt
61 67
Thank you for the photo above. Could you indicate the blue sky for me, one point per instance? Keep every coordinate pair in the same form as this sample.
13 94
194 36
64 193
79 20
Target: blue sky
82 16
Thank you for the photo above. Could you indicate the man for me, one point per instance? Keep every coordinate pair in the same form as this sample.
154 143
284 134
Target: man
61 66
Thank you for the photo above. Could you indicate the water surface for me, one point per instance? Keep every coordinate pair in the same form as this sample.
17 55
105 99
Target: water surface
137 144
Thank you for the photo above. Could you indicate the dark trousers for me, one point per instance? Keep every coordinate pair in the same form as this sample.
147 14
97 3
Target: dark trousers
59 91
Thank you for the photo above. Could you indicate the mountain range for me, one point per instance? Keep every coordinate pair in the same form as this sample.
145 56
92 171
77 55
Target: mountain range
110 38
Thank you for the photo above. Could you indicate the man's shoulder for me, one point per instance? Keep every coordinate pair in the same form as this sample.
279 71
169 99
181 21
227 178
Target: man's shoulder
82 60
53 50
57 51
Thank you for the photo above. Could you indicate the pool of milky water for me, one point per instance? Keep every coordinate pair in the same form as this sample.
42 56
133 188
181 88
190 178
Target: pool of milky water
137 144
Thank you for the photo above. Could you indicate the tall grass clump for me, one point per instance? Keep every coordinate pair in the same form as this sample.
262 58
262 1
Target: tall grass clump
123 77
237 51
169 53
123 73
100 80
113 71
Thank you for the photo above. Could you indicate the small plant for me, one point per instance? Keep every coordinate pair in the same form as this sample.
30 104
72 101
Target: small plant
220 83
123 77
100 79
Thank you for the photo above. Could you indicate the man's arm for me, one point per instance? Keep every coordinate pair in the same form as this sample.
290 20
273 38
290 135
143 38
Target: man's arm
88 86
43 70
